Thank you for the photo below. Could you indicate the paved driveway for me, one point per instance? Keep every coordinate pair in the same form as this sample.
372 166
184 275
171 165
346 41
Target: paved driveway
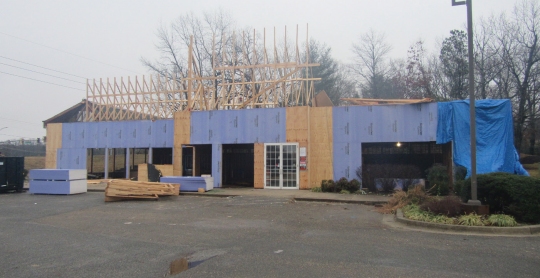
244 236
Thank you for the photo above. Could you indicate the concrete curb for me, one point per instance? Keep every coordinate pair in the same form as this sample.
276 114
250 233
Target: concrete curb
359 202
298 199
197 194
524 230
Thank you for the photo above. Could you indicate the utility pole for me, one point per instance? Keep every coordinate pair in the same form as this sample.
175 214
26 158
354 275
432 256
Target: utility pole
474 196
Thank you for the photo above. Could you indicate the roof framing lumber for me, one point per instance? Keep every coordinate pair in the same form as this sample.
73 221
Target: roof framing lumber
247 78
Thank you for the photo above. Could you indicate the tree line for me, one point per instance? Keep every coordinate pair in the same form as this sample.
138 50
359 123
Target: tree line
506 51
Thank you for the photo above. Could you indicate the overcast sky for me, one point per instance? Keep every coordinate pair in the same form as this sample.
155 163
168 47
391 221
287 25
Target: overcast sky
99 39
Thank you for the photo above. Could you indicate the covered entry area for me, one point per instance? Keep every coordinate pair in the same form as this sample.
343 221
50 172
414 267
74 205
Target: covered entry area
238 170
401 160
196 160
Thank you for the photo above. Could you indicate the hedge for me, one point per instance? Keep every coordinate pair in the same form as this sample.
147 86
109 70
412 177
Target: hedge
506 193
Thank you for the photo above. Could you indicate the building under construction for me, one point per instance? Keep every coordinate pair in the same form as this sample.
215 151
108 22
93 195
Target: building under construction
255 124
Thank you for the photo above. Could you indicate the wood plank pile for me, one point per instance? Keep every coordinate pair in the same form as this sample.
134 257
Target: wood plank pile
118 190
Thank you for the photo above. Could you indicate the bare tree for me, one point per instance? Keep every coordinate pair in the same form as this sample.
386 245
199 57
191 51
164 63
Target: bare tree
519 39
174 42
371 64
335 78
487 59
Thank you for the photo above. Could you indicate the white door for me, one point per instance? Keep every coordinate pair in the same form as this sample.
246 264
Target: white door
281 166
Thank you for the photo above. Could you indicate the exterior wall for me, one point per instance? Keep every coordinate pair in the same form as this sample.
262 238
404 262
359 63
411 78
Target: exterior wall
331 135
321 140
128 134
354 125
54 142
244 126
297 131
182 134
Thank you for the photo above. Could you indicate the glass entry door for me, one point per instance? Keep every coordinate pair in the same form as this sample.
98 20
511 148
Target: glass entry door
281 166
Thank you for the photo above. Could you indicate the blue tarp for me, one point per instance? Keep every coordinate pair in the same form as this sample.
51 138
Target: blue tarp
495 151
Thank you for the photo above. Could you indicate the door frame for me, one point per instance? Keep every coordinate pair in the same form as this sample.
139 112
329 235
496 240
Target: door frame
281 163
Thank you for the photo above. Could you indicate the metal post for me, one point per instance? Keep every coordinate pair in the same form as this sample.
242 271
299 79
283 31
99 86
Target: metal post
127 163
474 196
106 166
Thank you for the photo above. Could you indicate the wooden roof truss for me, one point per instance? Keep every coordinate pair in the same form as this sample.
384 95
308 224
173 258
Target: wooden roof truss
241 79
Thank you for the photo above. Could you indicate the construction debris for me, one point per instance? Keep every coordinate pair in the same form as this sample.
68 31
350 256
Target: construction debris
118 190
368 101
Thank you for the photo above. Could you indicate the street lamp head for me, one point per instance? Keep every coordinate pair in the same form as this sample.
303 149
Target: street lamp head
459 2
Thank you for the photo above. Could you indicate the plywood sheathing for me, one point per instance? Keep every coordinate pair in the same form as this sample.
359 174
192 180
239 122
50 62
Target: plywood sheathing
320 154
258 150
297 131
322 100
165 169
54 142
182 135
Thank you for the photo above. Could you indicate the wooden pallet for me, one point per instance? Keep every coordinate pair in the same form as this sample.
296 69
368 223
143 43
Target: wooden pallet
118 190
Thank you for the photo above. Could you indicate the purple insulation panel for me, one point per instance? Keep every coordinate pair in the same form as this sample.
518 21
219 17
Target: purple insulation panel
92 135
217 164
355 125
200 126
144 134
68 135
163 134
243 126
125 134
105 134
118 133
128 133
347 158
71 159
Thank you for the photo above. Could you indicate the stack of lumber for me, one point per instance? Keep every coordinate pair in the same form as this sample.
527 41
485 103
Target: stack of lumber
118 190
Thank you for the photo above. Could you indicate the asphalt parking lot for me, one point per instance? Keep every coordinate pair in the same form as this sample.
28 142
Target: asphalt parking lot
243 236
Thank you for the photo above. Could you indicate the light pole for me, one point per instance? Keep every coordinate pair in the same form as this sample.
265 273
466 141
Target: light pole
474 197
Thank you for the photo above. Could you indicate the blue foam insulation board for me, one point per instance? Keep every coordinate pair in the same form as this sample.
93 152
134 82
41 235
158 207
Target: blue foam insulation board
71 159
244 126
354 125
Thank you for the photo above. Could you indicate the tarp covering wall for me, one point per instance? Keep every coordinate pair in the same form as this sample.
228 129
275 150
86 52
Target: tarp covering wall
495 151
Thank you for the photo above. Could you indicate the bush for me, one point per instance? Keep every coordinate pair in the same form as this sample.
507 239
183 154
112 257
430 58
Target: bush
353 185
342 184
328 186
449 206
470 220
442 219
415 196
413 212
316 189
501 220
507 193
387 185
460 173
390 171
438 180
